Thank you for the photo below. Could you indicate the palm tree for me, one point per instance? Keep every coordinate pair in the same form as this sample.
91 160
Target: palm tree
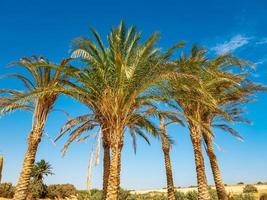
192 96
41 169
42 90
214 88
118 84
73 126
220 91
166 151
1 166
231 98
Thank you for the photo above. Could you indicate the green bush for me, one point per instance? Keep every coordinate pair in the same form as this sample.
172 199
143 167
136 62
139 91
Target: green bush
124 194
85 195
37 190
192 195
180 195
243 197
249 189
7 190
61 191
213 194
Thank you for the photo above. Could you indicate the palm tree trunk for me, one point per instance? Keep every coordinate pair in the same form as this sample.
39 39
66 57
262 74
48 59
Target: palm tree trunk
106 168
1 166
166 152
221 192
42 108
196 138
28 164
114 173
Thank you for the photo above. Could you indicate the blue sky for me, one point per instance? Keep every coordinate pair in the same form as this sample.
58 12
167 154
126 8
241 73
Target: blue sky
30 27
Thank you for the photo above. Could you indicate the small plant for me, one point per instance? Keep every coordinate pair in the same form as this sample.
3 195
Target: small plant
7 190
243 197
85 195
61 191
37 190
250 189
240 183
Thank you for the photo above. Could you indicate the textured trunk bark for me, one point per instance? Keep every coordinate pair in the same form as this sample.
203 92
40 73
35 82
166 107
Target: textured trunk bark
28 164
1 166
106 168
114 173
166 152
195 134
43 106
221 192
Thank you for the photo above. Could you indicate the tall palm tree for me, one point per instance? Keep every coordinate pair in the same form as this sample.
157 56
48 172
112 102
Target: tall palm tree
192 96
118 84
1 166
42 87
231 98
215 87
219 90
166 151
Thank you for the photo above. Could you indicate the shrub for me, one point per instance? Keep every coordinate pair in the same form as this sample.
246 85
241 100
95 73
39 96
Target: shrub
192 195
243 197
96 194
240 183
85 195
213 194
250 188
124 194
7 190
61 191
37 189
180 195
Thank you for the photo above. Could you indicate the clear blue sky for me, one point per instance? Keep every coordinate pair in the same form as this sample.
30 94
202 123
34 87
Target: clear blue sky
30 27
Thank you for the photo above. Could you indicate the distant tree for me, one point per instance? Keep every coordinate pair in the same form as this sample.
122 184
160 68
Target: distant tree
37 188
41 169
250 189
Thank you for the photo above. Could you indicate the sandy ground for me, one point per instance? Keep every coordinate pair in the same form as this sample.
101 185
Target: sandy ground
233 189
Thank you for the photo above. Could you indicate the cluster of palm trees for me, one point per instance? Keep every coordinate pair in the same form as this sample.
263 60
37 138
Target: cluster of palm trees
124 84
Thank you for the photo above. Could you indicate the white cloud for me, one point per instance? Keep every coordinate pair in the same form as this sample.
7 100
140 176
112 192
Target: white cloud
231 45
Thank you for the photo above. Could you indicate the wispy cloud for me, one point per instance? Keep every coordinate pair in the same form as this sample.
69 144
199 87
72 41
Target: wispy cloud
261 61
231 45
262 41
